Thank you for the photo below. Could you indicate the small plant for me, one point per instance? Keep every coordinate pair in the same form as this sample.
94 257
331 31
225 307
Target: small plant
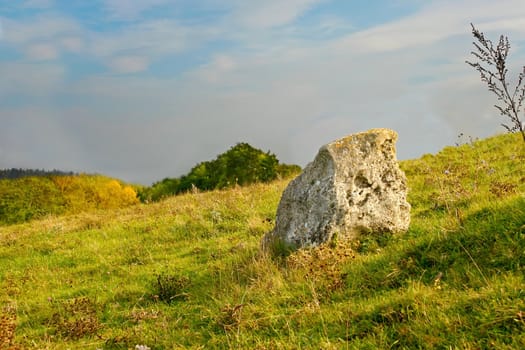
140 315
171 287
492 67
503 189
230 317
76 318
7 328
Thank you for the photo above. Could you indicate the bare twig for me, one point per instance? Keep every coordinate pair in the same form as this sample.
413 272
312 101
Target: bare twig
492 67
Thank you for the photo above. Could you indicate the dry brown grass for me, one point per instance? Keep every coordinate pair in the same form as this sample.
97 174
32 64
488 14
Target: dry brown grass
322 265
8 323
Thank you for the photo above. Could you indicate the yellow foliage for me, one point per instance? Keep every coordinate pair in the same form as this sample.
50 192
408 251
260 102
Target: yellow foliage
129 195
87 192
113 195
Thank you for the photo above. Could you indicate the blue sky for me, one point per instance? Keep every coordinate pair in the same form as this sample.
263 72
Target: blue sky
145 89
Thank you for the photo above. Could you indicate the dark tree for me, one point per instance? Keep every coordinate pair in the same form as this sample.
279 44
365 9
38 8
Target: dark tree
15 173
492 67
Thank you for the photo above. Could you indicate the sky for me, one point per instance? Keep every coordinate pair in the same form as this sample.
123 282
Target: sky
142 90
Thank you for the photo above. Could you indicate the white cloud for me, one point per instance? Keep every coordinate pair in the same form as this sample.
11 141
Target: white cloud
214 71
436 21
129 64
30 79
133 48
72 44
270 13
130 9
511 25
329 24
43 37
34 29
224 62
150 40
42 51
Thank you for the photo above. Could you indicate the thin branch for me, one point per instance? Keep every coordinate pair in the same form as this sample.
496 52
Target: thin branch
496 80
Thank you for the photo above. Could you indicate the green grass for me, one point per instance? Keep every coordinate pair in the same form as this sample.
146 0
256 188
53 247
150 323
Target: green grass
187 272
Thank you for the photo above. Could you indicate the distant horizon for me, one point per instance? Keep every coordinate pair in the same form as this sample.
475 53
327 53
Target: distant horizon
48 171
144 90
461 139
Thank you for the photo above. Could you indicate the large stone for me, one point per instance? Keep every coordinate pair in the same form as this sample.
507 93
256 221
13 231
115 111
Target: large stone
354 185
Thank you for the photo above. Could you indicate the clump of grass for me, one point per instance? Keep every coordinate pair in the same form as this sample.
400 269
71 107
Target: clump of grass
75 318
230 316
171 287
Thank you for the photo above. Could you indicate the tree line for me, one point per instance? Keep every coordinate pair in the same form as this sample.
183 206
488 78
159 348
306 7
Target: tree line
17 173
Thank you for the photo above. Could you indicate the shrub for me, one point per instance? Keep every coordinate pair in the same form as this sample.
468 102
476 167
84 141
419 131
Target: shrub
169 288
241 165
75 318
492 67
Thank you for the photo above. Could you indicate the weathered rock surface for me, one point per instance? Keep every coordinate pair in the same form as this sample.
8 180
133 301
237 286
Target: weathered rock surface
354 185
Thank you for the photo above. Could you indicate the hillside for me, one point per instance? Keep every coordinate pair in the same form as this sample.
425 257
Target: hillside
186 273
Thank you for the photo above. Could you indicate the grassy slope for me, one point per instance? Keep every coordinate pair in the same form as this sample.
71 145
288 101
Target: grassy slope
186 273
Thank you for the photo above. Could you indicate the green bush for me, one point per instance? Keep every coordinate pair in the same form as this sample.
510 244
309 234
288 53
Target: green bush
27 198
240 165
